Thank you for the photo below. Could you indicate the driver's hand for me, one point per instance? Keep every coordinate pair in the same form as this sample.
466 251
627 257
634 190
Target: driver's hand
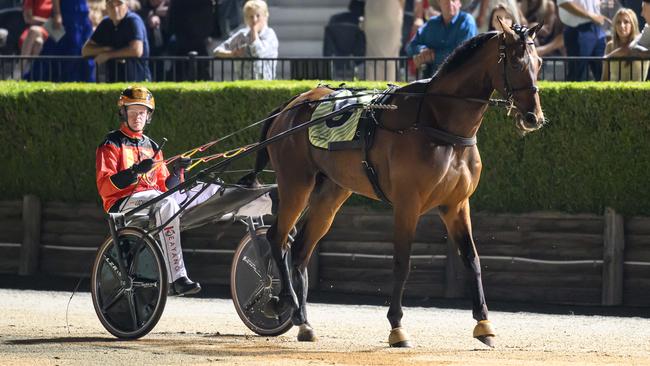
143 166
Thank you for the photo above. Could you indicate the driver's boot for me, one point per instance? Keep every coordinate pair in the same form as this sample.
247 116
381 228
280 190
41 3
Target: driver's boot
185 286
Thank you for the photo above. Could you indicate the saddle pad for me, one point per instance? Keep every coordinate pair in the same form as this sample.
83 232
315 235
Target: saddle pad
342 127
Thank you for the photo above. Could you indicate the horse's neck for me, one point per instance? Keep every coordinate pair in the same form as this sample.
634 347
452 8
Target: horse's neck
462 114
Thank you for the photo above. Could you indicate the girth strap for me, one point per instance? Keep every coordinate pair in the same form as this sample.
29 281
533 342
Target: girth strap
447 138
368 129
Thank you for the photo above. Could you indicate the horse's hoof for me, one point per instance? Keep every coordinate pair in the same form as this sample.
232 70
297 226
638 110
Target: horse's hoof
398 338
488 340
306 333
483 332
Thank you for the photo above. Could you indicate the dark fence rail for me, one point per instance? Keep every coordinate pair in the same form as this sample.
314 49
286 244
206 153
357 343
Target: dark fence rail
536 257
193 68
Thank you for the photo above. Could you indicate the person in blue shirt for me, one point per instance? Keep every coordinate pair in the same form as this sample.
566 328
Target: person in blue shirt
121 35
440 35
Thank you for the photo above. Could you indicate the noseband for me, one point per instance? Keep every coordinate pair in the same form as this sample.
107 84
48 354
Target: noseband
503 59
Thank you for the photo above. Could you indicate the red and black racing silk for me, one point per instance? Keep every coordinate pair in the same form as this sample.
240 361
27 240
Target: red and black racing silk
118 152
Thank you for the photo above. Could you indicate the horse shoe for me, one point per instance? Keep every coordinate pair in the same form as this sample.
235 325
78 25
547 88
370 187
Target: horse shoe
398 338
483 332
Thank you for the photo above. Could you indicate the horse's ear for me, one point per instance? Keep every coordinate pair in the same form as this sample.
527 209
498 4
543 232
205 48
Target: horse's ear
506 30
532 32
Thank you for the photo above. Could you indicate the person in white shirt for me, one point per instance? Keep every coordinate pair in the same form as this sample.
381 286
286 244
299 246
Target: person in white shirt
256 40
583 36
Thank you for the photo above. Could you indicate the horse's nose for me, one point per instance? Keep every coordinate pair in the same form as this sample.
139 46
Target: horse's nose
531 119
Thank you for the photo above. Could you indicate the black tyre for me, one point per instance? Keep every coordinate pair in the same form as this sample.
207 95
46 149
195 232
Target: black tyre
129 306
254 279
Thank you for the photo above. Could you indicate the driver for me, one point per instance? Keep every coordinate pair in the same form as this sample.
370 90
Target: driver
130 171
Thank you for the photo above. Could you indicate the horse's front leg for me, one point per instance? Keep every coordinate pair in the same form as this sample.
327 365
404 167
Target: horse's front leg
459 228
406 219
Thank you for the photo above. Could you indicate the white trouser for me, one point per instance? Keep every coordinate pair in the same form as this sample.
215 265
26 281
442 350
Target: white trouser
163 210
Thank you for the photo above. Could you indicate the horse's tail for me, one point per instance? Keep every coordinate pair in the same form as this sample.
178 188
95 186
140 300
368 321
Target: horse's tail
262 158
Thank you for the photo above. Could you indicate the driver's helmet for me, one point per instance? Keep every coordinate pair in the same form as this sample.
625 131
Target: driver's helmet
136 95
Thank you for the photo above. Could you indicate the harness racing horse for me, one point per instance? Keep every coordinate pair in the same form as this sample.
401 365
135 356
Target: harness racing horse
425 157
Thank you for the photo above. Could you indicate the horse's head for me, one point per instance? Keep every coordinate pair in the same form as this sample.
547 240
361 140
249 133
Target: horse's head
516 75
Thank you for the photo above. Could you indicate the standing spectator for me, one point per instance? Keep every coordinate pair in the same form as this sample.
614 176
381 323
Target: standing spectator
119 36
35 13
626 29
383 29
72 16
96 12
229 16
549 39
440 35
155 15
583 36
191 23
256 40
643 40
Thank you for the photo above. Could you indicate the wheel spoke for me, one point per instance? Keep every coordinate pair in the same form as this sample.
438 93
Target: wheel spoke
246 259
134 314
254 297
114 300
269 267
113 267
144 283
135 256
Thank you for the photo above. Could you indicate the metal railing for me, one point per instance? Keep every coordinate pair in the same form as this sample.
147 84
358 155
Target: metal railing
193 68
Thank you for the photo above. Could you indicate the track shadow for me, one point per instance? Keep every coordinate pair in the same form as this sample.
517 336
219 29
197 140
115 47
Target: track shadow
60 340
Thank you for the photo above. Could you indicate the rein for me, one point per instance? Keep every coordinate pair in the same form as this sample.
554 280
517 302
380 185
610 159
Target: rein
208 145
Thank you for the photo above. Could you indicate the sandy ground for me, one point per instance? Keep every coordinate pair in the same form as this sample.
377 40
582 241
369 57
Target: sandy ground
33 331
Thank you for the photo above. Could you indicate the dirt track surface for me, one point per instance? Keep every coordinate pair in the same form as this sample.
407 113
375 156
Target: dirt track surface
207 331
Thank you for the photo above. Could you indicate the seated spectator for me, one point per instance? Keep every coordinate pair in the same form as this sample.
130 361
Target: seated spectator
256 40
34 36
641 45
352 16
500 11
485 7
440 35
72 17
121 35
626 29
12 23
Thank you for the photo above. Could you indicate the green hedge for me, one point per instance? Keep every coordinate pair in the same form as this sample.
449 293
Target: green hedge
593 153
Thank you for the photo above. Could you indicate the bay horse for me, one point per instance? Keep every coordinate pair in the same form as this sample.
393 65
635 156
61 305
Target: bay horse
425 156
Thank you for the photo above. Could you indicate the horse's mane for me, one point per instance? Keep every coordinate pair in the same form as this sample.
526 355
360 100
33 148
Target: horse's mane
463 53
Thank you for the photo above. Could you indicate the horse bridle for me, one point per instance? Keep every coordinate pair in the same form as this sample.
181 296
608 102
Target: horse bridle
503 59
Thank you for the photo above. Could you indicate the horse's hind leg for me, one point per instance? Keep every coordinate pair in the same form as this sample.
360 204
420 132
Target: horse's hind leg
325 201
459 227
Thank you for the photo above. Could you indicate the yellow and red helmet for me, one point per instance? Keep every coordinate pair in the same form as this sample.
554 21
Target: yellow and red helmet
136 95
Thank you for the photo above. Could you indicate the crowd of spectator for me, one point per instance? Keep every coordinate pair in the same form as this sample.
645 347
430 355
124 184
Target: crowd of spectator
115 36
431 29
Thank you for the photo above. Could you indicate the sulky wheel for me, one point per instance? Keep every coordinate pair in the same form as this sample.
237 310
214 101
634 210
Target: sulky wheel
129 284
254 279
